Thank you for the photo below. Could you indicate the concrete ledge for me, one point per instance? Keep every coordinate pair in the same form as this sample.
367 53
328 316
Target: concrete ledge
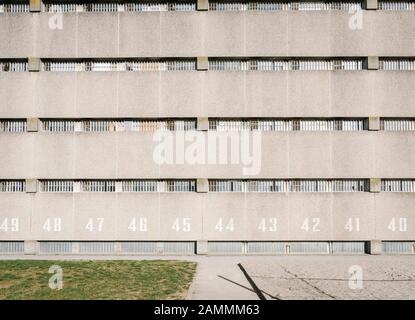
31 185
374 247
371 63
30 247
33 64
202 5
374 123
202 64
370 4
202 185
34 5
375 185
203 123
32 124
201 247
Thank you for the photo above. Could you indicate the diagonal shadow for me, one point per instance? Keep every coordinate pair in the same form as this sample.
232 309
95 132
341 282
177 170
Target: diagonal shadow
249 289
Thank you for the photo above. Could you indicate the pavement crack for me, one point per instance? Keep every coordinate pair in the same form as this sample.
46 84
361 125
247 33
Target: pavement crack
309 284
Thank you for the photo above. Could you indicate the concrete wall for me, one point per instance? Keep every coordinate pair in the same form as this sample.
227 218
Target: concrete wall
212 93
208 94
327 216
283 155
151 34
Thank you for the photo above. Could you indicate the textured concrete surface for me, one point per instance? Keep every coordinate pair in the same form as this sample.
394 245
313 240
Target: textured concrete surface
289 277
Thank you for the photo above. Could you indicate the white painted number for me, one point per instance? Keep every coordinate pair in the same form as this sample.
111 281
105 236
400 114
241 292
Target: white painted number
10 224
269 225
311 224
221 226
138 224
94 224
352 225
398 224
181 225
52 224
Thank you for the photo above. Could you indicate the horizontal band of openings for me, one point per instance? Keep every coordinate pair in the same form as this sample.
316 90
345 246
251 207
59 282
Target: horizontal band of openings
279 247
108 247
151 125
396 64
217 64
398 247
289 125
104 7
117 125
397 124
12 185
297 185
213 6
396 5
13 125
14 66
117 185
11 246
398 185
283 6
137 65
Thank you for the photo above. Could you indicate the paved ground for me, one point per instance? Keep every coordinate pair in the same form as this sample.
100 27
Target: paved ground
293 277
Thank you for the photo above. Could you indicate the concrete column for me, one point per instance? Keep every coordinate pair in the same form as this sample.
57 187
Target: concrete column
33 64
371 63
34 5
202 5
202 64
30 247
375 185
374 123
201 247
370 4
32 124
374 247
31 185
203 123
202 185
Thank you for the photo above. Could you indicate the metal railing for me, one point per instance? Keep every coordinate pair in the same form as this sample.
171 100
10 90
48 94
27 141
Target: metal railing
218 64
306 185
14 7
13 66
288 125
13 126
117 125
56 185
284 6
143 65
396 5
398 185
159 186
168 185
12 186
397 124
119 7
396 64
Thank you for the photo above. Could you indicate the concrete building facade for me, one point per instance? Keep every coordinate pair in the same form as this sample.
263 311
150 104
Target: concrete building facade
320 93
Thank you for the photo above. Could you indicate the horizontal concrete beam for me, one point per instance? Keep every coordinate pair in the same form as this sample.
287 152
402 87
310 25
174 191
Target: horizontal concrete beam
211 216
117 155
229 34
207 94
